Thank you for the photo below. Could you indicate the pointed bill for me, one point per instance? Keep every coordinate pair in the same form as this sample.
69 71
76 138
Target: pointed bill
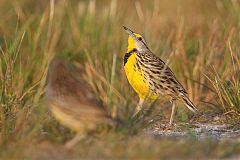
130 32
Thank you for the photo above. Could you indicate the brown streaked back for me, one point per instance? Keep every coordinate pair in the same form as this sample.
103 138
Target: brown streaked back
73 98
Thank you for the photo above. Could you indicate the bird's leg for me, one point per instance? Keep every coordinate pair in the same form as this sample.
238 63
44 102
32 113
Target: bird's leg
71 143
139 107
173 112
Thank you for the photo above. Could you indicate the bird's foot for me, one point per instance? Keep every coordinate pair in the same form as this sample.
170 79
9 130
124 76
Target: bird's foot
71 143
169 126
135 114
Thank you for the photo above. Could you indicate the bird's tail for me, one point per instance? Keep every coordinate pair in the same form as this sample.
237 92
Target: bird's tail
189 103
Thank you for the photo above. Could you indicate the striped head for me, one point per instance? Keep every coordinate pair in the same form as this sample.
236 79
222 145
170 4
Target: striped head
135 41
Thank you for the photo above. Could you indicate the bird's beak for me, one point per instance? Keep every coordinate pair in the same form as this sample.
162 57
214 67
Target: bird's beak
130 32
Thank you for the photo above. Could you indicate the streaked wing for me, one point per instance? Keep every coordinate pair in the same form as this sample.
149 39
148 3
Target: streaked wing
160 74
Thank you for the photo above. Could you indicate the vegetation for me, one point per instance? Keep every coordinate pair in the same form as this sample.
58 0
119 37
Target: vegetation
199 39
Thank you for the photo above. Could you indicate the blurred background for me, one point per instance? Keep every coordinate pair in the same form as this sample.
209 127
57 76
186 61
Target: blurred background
200 39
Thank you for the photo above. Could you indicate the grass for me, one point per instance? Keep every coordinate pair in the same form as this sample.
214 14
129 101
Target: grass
228 90
199 39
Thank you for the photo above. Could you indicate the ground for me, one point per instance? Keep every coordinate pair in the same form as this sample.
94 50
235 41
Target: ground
199 40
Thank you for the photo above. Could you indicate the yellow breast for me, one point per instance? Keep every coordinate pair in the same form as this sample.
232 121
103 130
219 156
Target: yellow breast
137 80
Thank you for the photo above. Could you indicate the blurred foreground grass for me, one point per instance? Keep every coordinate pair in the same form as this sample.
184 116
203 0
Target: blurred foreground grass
202 38
112 146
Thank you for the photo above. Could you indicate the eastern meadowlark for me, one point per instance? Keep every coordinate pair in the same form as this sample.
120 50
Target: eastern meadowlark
72 103
149 76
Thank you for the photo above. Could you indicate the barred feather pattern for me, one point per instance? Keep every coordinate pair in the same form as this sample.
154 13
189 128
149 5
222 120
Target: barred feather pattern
160 78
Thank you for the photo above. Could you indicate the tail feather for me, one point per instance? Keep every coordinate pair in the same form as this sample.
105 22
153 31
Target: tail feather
189 103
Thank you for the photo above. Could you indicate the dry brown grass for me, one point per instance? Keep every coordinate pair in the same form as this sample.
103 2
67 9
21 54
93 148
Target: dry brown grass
202 36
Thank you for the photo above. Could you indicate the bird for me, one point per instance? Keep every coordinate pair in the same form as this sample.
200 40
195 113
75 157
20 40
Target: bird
72 103
150 77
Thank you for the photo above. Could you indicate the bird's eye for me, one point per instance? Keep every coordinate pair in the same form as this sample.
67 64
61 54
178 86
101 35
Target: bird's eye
140 38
